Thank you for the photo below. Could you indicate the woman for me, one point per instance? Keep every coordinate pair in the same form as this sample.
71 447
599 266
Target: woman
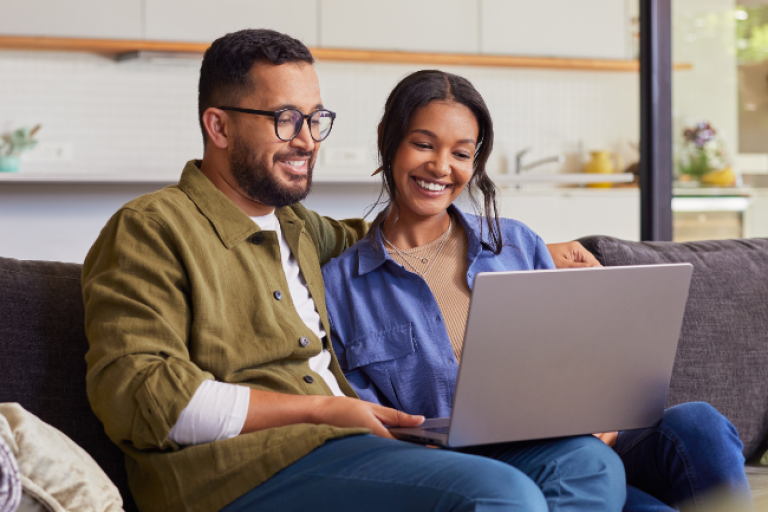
398 304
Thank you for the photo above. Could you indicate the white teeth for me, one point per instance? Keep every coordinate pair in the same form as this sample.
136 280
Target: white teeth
296 163
431 186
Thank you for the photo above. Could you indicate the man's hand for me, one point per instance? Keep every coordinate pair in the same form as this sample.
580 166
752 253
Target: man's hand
571 255
267 409
350 412
608 438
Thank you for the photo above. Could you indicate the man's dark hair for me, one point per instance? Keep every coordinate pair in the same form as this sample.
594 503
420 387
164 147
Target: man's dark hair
224 74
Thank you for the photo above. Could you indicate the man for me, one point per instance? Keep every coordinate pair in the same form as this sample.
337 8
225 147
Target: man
209 363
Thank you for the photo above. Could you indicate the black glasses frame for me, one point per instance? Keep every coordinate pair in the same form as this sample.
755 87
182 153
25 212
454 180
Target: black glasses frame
276 115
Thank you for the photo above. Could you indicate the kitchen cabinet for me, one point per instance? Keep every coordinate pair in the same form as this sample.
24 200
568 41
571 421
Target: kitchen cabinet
559 215
203 20
449 26
585 29
115 19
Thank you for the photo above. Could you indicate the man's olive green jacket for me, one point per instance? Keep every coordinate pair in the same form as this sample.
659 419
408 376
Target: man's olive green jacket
181 287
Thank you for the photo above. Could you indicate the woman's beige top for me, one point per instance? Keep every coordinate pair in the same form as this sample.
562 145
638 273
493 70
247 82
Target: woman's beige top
447 279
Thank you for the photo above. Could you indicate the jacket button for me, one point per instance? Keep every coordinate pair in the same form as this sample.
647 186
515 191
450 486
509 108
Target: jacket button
257 239
308 379
278 295
303 341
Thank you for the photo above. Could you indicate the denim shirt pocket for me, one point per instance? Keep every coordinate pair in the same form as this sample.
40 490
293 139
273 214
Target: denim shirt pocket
386 357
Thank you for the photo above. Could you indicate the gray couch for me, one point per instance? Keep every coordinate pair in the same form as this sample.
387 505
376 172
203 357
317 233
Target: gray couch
722 356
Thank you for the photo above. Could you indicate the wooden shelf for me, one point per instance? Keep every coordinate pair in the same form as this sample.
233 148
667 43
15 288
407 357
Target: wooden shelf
34 178
113 47
100 46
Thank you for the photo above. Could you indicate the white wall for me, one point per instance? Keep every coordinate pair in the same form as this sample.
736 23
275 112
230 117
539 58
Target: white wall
141 116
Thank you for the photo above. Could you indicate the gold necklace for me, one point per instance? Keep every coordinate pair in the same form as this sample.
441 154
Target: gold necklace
432 256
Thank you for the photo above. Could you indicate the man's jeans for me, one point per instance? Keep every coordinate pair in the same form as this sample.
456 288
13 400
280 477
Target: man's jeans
371 474
693 456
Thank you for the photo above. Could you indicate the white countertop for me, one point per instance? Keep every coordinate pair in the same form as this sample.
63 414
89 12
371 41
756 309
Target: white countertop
713 191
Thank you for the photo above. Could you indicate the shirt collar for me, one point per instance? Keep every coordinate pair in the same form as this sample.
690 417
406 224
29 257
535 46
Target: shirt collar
372 254
232 224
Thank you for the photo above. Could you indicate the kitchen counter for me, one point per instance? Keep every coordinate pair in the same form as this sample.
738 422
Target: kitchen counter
561 214
58 216
713 191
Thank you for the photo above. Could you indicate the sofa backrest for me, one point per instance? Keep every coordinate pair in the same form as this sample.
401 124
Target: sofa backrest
42 357
722 354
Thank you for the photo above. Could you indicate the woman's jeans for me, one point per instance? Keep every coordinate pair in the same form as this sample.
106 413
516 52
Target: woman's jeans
692 457
694 451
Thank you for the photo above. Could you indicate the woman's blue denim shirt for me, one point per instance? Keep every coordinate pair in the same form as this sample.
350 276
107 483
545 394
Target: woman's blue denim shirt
386 327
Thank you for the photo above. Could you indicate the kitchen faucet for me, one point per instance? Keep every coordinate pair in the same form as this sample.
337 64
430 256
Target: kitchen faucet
519 167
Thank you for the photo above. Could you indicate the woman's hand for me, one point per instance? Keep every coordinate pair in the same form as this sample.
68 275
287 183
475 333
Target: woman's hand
608 438
351 412
571 255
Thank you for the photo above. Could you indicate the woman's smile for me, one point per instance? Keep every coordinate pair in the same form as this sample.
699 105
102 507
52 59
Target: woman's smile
430 187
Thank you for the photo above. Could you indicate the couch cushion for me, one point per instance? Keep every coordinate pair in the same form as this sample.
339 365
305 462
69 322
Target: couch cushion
722 355
43 343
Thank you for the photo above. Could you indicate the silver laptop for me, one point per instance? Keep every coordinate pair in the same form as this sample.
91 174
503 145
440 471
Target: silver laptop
552 353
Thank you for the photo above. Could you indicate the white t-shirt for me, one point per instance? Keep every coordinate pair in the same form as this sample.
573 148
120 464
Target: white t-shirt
218 410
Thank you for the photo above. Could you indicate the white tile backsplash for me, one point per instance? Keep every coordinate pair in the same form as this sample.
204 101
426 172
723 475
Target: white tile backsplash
132 116
140 116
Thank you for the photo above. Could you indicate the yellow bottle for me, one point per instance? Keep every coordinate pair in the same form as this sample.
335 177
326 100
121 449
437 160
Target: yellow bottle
603 162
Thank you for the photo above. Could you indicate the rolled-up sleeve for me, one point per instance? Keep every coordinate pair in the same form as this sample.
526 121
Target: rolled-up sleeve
137 320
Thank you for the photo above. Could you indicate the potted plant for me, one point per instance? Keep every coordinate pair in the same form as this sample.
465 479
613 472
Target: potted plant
702 152
13 144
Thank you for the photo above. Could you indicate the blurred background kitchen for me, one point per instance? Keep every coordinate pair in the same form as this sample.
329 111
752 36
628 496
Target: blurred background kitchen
115 122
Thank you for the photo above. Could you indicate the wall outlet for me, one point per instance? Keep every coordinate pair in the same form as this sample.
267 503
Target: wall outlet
50 152
346 156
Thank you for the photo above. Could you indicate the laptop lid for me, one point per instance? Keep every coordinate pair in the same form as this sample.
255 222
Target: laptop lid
553 353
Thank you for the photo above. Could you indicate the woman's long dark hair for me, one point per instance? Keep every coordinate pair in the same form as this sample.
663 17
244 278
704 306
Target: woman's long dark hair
413 92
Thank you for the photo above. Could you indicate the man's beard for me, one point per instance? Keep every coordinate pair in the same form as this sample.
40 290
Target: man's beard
256 179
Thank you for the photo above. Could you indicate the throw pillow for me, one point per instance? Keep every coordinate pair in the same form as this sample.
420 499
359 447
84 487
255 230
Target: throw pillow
55 472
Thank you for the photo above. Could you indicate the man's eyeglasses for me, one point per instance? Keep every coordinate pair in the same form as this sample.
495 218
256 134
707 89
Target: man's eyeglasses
288 122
